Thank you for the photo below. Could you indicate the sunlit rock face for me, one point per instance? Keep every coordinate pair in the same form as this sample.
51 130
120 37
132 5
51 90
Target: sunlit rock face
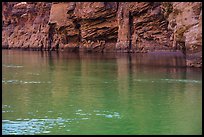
105 27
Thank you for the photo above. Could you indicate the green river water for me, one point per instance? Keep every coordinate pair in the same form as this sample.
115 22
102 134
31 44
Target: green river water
70 93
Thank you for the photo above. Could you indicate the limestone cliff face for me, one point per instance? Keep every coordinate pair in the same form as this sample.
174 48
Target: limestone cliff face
105 27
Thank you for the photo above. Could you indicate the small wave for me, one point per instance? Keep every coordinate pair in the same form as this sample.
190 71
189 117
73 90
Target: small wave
6 106
78 110
182 80
13 81
98 114
35 74
107 114
168 80
12 66
82 114
34 82
85 118
9 81
7 111
103 113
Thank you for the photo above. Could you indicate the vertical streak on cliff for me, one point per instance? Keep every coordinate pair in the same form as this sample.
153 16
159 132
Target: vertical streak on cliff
131 31
50 36
78 27
128 28
117 7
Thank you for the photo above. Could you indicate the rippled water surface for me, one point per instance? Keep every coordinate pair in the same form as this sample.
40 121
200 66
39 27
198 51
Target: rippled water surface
67 93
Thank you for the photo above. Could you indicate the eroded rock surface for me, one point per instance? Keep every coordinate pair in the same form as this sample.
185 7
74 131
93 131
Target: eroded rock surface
25 24
186 22
105 27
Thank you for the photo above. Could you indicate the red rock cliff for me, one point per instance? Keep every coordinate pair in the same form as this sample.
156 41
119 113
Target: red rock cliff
105 27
